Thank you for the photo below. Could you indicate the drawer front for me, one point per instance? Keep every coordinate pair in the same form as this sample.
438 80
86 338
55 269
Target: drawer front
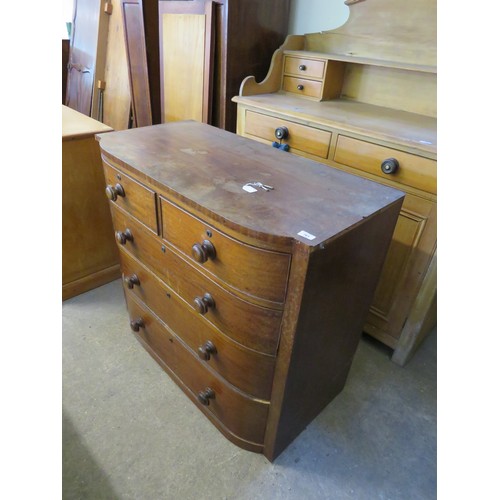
251 325
248 370
413 171
137 200
300 137
251 270
301 67
309 88
243 416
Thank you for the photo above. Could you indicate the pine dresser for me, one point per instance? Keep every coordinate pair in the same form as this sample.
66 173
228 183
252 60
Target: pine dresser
247 272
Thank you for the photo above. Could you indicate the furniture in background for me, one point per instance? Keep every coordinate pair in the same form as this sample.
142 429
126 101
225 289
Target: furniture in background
65 61
98 83
247 278
362 98
89 255
206 49
140 19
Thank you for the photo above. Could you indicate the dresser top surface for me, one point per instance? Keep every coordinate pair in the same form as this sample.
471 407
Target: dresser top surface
206 168
76 124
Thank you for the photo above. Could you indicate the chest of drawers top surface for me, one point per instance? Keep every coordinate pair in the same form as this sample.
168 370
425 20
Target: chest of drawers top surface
206 168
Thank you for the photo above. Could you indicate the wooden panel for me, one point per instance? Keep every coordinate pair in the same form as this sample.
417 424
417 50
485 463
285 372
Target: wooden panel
309 88
264 273
137 62
308 139
138 200
249 324
302 67
116 96
65 61
242 415
248 370
414 171
183 66
89 254
412 248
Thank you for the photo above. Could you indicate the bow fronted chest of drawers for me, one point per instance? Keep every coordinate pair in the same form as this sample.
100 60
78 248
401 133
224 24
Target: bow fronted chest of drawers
247 273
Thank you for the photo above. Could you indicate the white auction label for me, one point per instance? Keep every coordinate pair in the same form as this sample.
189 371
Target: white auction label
249 189
307 235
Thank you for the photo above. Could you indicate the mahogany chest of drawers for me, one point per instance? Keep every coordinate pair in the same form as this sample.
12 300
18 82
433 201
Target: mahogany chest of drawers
247 273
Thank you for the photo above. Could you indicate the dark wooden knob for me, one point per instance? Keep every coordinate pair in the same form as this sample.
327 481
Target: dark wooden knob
137 324
112 192
302 67
206 350
389 166
205 396
201 252
131 280
300 87
123 236
203 304
281 133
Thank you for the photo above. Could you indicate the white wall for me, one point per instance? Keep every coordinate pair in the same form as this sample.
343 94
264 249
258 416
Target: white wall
311 16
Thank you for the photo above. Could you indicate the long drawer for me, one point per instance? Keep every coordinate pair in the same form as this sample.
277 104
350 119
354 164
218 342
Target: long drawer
246 369
413 170
251 270
243 416
251 325
300 137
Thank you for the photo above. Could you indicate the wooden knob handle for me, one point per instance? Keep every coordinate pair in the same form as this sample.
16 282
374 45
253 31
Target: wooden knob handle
131 280
302 67
389 166
205 396
300 87
112 192
206 350
203 304
201 252
137 324
123 236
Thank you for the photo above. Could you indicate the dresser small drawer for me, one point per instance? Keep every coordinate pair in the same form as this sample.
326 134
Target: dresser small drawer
303 67
250 371
412 170
138 200
300 137
300 86
243 416
254 271
251 325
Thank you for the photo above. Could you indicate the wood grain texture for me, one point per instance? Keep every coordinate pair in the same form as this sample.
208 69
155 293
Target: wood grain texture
89 254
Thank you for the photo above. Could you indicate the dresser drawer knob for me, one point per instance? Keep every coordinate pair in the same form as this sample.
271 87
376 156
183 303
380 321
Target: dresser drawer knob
206 350
123 236
300 87
203 304
281 133
201 252
137 324
389 166
205 396
302 67
131 281
112 192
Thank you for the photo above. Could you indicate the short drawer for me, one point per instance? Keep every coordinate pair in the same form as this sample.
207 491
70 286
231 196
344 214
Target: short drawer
302 67
300 137
250 371
251 270
249 324
243 416
138 200
300 86
413 170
